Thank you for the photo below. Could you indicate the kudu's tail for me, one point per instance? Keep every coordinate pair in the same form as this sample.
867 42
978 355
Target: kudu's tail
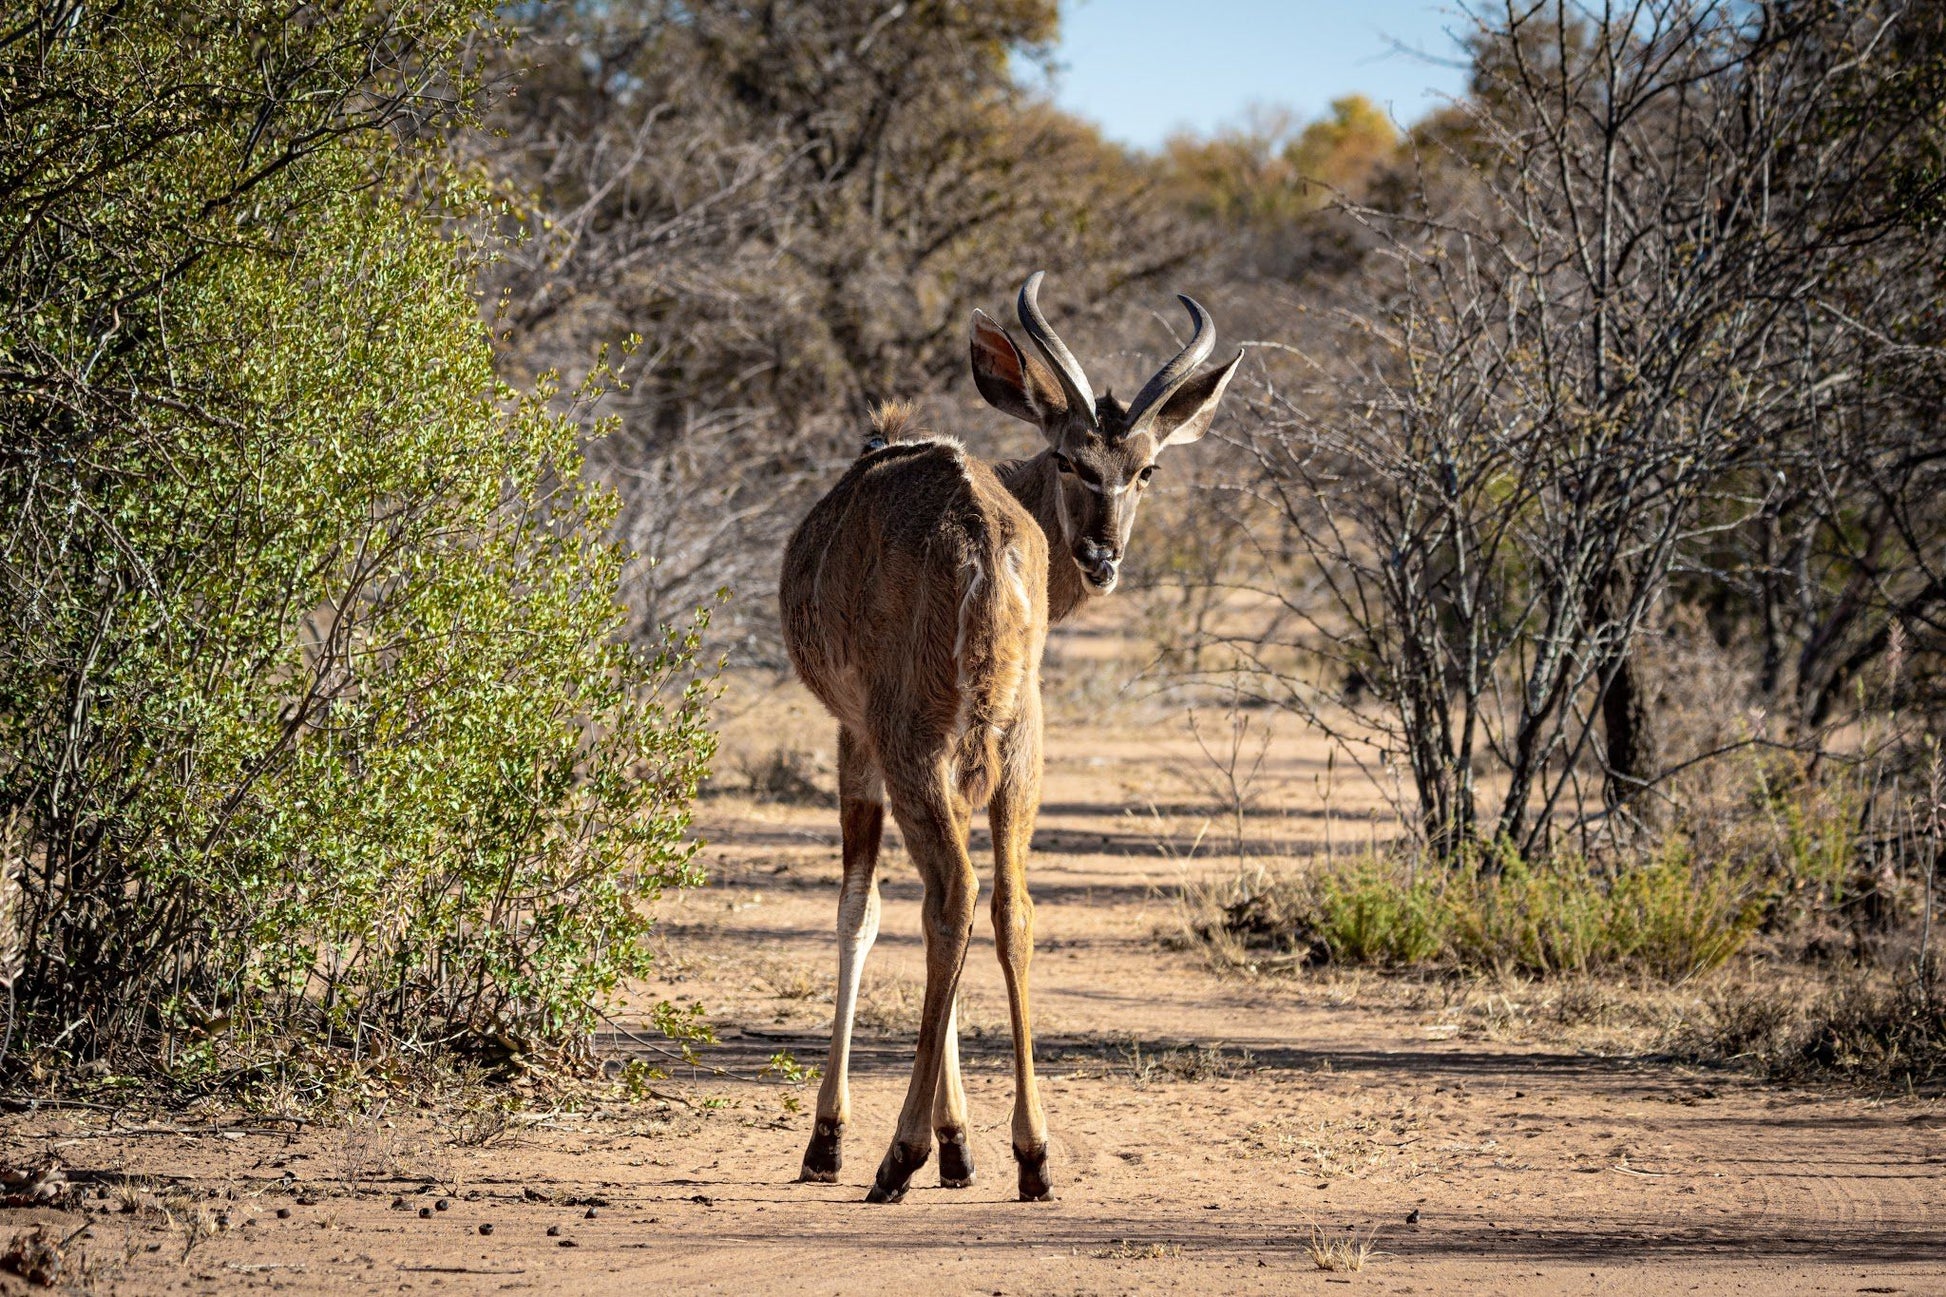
991 648
892 421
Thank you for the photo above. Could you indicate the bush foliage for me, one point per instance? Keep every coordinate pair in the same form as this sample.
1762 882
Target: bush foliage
315 727
1669 917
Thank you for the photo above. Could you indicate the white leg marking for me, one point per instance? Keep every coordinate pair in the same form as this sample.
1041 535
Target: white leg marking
858 911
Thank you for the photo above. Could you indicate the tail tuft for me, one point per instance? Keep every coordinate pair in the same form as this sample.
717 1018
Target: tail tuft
977 760
892 421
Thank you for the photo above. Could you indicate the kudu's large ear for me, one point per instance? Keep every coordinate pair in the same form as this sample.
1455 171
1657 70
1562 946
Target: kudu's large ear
1011 381
1187 415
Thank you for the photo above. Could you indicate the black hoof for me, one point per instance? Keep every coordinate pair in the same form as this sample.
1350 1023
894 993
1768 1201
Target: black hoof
896 1171
826 1155
1034 1186
955 1160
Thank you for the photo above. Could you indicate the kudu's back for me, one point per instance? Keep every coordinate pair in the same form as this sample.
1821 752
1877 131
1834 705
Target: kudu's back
914 603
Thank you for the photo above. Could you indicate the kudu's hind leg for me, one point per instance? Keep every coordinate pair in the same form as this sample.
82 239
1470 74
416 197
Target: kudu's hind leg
1016 801
933 819
861 812
949 1122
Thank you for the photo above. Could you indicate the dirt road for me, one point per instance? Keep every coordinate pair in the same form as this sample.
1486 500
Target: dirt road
1209 1132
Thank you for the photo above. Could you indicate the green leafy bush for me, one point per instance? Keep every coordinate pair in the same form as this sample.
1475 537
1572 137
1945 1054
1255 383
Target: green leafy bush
315 728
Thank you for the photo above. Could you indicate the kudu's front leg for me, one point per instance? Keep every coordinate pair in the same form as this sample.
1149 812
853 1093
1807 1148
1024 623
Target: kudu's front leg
861 803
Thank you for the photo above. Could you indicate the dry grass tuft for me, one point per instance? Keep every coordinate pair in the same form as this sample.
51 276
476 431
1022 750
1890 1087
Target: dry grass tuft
1187 1063
795 981
1127 1249
190 1217
1143 1065
1867 1025
787 775
1347 1252
888 1003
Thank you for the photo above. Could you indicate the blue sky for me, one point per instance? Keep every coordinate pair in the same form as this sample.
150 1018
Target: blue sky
1143 69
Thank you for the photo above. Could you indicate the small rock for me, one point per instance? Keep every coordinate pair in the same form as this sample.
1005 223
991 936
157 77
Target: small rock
1412 1217
588 1214
398 1204
554 1231
486 1227
307 1201
283 1213
444 1204
425 1213
567 1242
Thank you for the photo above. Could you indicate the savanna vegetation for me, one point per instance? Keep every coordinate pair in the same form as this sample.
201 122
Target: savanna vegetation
385 388
319 740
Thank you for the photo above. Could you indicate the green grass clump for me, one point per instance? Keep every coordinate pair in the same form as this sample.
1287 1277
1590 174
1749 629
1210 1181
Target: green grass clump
1668 916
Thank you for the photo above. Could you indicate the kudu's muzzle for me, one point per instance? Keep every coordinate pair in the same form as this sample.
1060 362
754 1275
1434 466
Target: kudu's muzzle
1097 563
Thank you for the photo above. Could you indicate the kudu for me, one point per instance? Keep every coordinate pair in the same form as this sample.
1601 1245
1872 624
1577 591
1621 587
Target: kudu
916 598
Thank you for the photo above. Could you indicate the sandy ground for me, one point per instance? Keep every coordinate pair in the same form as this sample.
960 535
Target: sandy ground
1209 1132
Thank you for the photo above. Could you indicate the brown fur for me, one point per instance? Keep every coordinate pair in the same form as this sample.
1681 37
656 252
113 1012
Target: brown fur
899 611
916 598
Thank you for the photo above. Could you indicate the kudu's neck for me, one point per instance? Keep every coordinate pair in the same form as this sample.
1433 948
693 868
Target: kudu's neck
1036 483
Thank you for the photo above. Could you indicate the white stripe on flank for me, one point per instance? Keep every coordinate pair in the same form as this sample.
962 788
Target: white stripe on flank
1015 566
962 679
973 584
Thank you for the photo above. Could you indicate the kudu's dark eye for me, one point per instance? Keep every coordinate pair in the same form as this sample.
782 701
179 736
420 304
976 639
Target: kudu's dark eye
1147 473
1063 463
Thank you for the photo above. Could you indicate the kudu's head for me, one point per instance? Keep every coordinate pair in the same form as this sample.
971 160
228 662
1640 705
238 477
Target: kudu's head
1105 452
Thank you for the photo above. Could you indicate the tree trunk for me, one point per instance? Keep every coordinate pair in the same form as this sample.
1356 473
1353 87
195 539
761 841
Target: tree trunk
1632 744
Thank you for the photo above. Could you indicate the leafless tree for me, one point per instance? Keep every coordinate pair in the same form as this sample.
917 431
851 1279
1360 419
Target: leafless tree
795 207
1620 285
